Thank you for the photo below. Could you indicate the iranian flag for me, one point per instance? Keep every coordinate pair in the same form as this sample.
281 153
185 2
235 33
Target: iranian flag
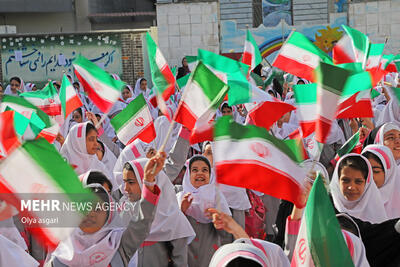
231 72
68 97
352 47
300 57
251 53
30 121
135 121
266 111
46 99
320 241
355 106
203 94
203 131
8 137
42 173
306 103
161 74
351 146
376 63
330 84
100 87
243 150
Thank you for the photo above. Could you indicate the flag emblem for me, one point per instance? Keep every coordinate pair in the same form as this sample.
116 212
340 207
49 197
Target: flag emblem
261 150
139 122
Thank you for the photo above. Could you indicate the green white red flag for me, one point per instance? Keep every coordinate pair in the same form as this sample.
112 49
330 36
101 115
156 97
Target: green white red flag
251 53
68 97
351 146
240 150
135 121
161 74
320 241
100 86
37 167
330 84
300 57
46 99
202 96
8 137
352 47
306 103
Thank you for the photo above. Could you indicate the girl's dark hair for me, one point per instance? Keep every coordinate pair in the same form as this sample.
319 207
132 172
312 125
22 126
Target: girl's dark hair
90 127
96 177
201 158
277 86
79 110
225 105
355 162
128 166
240 261
15 78
76 83
370 155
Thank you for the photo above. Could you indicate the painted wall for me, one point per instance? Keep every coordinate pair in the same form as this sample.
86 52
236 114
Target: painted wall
378 20
183 28
239 10
269 39
276 10
39 58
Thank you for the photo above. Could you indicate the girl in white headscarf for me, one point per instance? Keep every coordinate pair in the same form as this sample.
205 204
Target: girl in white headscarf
80 148
389 135
102 240
15 87
354 190
105 155
141 87
170 231
386 177
200 193
127 93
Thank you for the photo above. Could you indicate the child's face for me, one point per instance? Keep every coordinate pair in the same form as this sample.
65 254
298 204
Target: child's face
199 174
94 221
131 185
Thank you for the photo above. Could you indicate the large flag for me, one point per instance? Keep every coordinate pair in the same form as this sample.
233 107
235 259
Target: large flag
251 53
36 167
161 74
8 137
330 84
300 57
355 106
243 150
376 63
320 241
100 87
68 97
352 47
203 94
135 121
46 99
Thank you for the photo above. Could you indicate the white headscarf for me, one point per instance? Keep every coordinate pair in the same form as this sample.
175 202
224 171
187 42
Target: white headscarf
391 113
21 89
135 150
161 124
380 136
369 207
74 150
109 158
235 114
97 249
265 253
29 86
137 90
13 255
390 190
169 222
206 196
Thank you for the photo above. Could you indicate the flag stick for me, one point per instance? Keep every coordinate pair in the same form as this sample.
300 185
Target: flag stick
380 57
103 117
